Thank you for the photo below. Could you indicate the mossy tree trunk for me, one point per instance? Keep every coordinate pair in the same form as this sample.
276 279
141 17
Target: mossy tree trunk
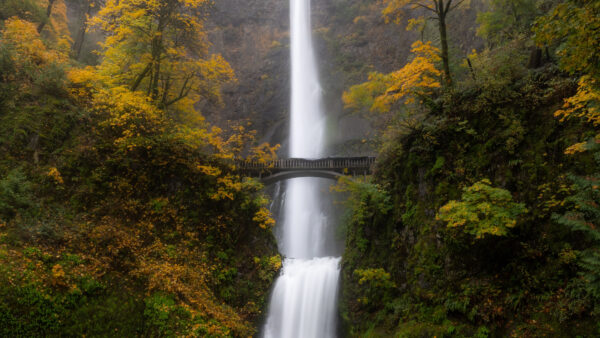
42 24
444 41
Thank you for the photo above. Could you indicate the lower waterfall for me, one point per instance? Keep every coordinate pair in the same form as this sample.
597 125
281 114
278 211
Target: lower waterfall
304 299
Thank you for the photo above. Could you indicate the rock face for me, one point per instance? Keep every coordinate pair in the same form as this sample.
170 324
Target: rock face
253 35
351 39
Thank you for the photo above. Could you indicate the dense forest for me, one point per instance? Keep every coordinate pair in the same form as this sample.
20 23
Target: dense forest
481 218
122 211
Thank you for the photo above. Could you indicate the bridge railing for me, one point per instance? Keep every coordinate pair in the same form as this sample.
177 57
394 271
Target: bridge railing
332 163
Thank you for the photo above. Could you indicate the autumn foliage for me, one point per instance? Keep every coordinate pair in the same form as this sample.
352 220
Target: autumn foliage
117 188
575 27
412 83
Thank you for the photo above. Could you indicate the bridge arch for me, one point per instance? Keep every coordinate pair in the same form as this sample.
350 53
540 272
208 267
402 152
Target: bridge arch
287 175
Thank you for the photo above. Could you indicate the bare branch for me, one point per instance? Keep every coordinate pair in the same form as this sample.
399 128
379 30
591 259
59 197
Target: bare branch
448 5
417 4
437 8
455 5
185 90
140 77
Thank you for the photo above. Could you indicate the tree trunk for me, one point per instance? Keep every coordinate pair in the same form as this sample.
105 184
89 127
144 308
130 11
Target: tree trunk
156 51
42 24
471 69
157 47
140 77
34 145
80 38
535 58
444 43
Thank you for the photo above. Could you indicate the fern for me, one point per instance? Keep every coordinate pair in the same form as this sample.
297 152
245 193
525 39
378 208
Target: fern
584 219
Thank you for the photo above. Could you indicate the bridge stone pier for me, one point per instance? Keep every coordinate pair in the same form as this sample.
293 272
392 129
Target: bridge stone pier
284 169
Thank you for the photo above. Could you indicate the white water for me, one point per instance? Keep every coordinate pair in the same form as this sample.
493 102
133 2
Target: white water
303 303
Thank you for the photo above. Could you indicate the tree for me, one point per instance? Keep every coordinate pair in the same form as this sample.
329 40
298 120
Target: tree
161 48
85 8
574 26
49 16
54 24
412 84
29 10
484 210
29 71
440 8
507 19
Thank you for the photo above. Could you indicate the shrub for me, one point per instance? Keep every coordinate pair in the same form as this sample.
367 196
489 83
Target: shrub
15 194
484 210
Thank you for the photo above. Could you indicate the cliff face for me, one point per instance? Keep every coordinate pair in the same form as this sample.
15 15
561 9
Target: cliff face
351 39
253 36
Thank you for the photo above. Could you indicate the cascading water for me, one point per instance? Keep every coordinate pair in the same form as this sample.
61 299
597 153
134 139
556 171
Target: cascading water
303 303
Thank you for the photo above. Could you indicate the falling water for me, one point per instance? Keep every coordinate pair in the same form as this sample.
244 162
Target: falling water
303 303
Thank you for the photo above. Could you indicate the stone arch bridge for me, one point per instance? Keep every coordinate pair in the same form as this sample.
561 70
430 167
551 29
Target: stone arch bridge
284 169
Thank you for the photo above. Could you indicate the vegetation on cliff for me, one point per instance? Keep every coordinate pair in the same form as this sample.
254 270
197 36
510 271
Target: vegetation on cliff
120 213
481 217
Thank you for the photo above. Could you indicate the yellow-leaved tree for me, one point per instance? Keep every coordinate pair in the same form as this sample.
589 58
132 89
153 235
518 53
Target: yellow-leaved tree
575 27
56 18
410 85
160 48
48 16
23 37
395 10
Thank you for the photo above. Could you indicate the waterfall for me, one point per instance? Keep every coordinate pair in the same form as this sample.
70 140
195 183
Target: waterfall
303 303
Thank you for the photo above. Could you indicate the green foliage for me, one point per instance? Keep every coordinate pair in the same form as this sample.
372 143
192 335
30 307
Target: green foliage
501 66
163 317
269 266
35 115
574 27
26 311
376 278
507 19
26 9
367 204
375 285
365 199
87 310
15 194
584 219
118 198
447 282
483 210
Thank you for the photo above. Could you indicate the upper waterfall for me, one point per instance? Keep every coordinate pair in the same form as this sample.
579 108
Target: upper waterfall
305 228
307 126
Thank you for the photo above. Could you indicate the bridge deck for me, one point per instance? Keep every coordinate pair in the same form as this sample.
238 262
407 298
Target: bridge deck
284 169
301 164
